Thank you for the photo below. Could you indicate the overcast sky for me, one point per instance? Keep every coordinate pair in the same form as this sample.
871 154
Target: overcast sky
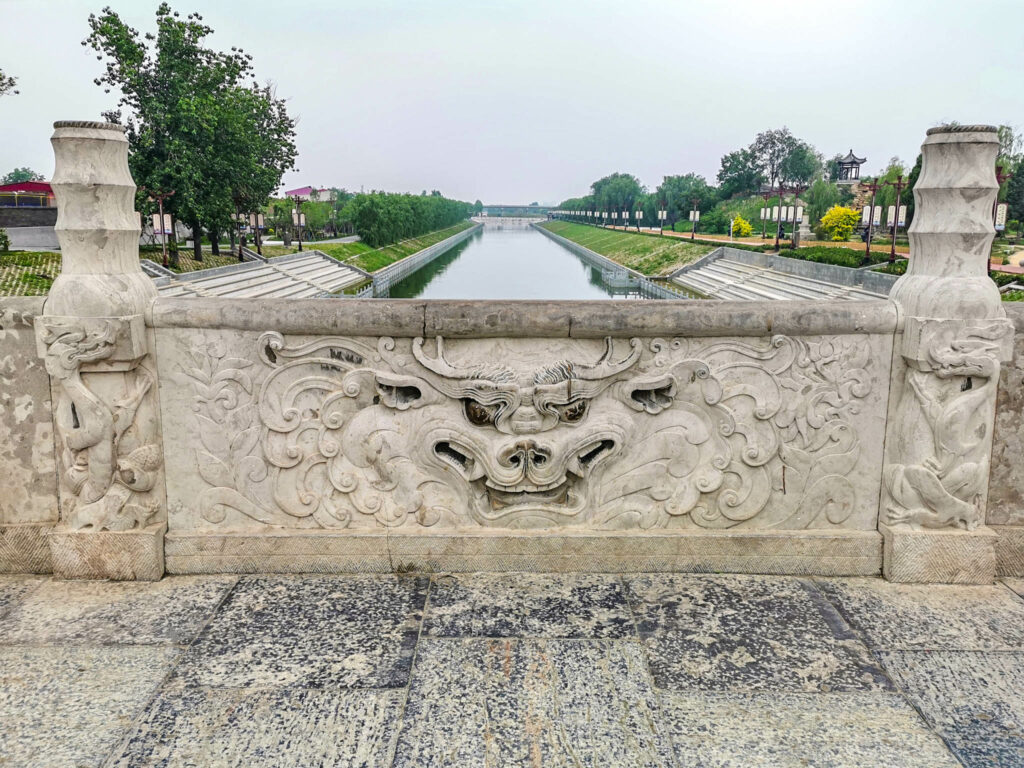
512 101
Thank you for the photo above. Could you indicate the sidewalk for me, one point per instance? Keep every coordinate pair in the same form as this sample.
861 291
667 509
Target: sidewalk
510 670
856 245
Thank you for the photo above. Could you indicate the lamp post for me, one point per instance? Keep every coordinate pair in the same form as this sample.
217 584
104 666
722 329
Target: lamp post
797 190
895 215
694 217
639 216
872 187
766 193
661 218
256 220
160 197
298 219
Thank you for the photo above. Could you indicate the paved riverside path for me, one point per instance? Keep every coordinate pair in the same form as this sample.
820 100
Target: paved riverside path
510 670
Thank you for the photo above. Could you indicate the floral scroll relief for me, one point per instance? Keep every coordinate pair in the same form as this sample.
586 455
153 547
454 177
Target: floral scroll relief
334 433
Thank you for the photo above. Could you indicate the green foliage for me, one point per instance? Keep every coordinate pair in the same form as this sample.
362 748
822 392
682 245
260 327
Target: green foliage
819 198
27 273
771 150
739 174
381 218
741 227
21 174
678 193
5 241
1013 296
838 222
616 192
194 127
7 84
801 165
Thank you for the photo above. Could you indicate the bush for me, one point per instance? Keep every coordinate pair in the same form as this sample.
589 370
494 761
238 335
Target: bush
5 241
838 222
741 227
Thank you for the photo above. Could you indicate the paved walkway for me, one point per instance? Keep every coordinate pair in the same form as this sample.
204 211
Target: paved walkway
855 245
510 670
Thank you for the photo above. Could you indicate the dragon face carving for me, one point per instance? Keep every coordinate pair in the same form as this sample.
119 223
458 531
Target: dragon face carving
337 433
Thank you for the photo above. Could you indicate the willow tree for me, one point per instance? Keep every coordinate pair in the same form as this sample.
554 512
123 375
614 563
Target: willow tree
197 122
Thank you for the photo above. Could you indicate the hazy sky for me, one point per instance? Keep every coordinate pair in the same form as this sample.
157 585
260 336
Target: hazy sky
517 100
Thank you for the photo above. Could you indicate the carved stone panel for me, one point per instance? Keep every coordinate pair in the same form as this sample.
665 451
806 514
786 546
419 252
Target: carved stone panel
109 457
263 431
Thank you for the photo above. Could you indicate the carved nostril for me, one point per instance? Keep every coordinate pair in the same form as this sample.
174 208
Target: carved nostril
537 458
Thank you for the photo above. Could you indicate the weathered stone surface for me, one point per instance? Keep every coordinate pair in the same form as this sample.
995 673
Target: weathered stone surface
25 549
132 555
69 706
795 730
972 699
941 617
1009 549
528 605
1006 483
948 555
557 703
83 613
322 632
26 424
839 552
747 633
637 434
14 589
953 339
265 729
1017 585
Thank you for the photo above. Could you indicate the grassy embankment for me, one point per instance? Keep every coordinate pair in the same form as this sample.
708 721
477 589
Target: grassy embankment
372 259
28 273
651 255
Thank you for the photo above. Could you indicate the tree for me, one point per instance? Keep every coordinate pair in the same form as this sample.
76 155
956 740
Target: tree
801 166
770 150
192 125
739 174
679 192
616 191
833 166
1015 192
478 206
819 198
908 193
7 84
21 174
839 221
741 227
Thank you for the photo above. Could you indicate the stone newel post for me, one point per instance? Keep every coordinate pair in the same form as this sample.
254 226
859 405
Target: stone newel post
953 337
98 353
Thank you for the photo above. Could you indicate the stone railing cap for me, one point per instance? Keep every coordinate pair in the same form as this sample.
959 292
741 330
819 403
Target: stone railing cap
962 129
89 124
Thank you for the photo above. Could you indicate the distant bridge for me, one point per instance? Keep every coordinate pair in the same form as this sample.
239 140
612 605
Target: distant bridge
517 210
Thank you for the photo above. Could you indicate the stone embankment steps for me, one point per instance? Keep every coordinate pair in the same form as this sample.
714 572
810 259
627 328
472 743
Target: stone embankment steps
300 276
728 279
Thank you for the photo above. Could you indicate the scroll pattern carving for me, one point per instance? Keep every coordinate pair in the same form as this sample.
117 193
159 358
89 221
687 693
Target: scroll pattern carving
109 460
343 433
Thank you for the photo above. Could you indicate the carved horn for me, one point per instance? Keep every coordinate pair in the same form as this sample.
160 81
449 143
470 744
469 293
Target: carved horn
605 367
439 364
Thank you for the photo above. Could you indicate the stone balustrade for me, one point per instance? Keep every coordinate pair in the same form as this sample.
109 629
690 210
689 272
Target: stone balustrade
198 435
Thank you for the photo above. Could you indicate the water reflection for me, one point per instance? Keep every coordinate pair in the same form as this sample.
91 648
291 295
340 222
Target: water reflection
508 260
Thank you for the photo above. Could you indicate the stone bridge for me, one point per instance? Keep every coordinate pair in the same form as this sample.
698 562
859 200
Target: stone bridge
141 435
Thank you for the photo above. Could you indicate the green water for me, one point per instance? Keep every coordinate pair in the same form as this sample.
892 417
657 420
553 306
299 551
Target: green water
508 261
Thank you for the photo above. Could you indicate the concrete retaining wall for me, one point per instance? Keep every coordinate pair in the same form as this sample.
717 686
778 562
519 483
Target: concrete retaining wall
384 278
27 217
27 238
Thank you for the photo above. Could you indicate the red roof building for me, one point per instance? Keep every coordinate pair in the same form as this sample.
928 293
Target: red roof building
37 194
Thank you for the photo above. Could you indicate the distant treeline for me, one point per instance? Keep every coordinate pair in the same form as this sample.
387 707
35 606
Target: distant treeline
382 218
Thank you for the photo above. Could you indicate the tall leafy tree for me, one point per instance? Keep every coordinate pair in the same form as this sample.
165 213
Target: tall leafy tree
801 166
616 191
194 124
740 174
679 192
771 148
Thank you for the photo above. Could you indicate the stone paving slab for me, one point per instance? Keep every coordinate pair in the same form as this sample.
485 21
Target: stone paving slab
929 616
294 728
974 700
796 730
67 707
13 589
316 631
746 633
1017 585
528 605
512 702
126 612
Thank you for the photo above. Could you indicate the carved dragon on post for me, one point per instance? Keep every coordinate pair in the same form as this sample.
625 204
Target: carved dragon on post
102 470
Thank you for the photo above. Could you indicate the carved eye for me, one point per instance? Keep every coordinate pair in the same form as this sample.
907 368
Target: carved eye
479 414
573 412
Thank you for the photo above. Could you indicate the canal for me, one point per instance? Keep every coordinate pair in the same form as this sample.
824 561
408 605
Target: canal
509 260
